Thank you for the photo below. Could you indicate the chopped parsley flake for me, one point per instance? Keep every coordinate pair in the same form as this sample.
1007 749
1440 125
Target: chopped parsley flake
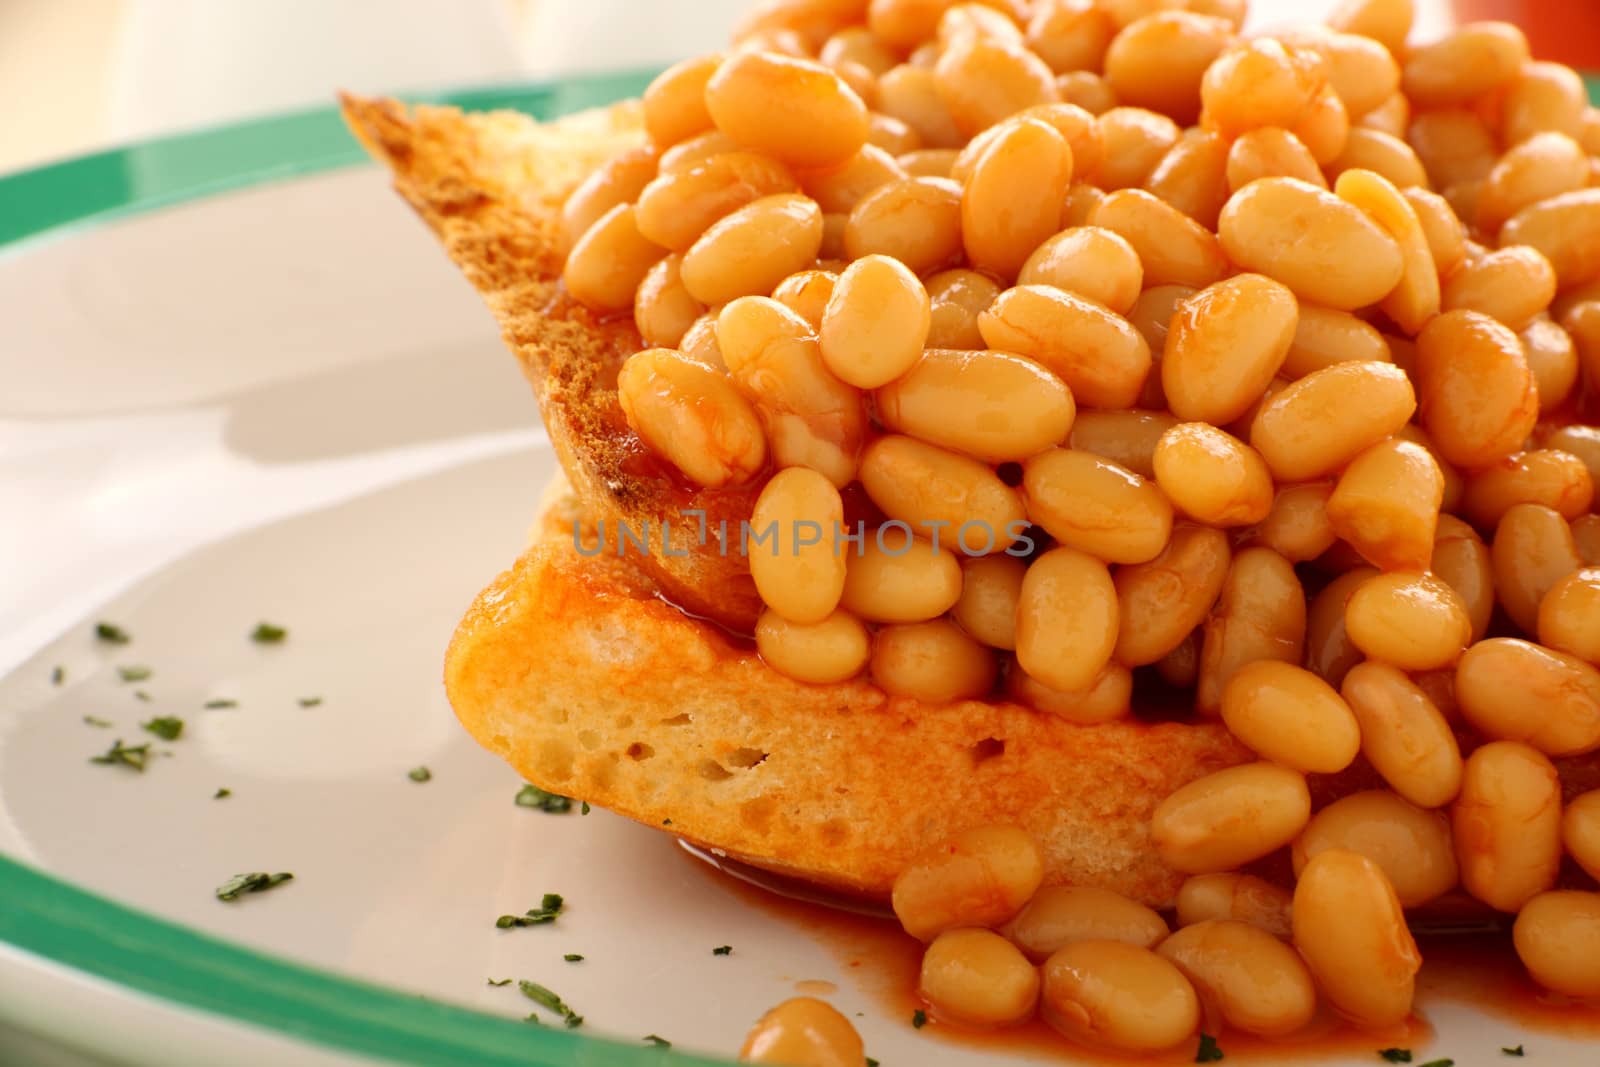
166 727
1440 1063
531 796
919 1019
220 702
1512 1051
585 809
1209 1051
95 721
266 633
573 957
546 912
255 882
141 696
58 675
111 633
133 756
134 673
871 1062
547 999
222 793
1396 1055
722 950
658 1042
311 702
497 982
419 774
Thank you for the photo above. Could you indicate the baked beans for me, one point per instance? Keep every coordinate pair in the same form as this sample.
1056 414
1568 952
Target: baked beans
1116 996
1403 734
978 978
1101 357
1233 896
1507 824
1514 690
1061 915
1230 817
1066 619
1351 932
1249 977
979 877
804 1030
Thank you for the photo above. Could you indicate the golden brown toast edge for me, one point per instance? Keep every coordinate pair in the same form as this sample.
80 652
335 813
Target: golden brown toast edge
490 185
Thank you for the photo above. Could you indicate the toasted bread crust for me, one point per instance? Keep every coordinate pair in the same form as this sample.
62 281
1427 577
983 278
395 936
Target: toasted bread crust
490 186
574 671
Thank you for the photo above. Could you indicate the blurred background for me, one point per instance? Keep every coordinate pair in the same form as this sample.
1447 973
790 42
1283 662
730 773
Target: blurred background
76 75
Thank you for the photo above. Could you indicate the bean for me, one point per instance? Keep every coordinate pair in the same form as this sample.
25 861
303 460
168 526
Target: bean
978 978
1321 422
1096 506
1514 690
1254 981
806 1031
1061 915
832 650
1066 619
1230 817
1352 934
1557 936
1290 716
978 877
961 501
1110 995
1403 734
794 110
1233 896
1103 360
1507 824
933 662
1225 345
1477 397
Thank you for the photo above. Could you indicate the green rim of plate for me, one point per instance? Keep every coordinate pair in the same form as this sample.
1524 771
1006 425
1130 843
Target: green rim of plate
56 921
137 951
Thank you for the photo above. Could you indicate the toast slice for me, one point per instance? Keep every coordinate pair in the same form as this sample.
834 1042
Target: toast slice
580 673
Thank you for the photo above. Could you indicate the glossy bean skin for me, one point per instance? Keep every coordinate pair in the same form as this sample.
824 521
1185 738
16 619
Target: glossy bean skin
978 877
939 492
914 220
617 182
1103 359
750 250
1297 526
1415 298
899 582
610 260
1415 621
1095 263
1323 337
1323 248
678 206
794 110
990 589
1227 818
1254 981
1134 143
1108 695
957 298
1329 651
1012 199
1286 714
1319 423
978 978
663 310
806 1031
1477 397
1271 152
1111 995
1260 83
1066 619
1580 830
1411 845
1461 559
1158 61
832 650
1193 176
1174 249
1212 476
1545 165
1261 614
1386 504
1507 824
1463 65
1557 936
1095 506
1553 360
1403 734
693 416
1569 615
1350 930
1162 601
1511 285
801 577
875 323
1514 690
982 80
1558 480
1566 230
1532 550
987 404
1234 896
1224 346
1060 915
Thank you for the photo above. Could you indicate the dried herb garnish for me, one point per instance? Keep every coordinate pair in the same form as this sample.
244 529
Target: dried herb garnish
134 756
254 882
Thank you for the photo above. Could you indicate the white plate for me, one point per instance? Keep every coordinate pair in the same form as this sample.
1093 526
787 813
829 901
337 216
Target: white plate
282 404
